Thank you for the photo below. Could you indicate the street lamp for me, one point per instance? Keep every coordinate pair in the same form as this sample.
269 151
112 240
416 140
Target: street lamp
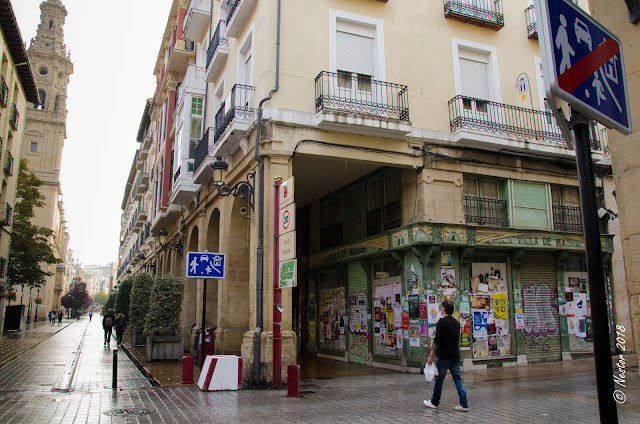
242 189
174 245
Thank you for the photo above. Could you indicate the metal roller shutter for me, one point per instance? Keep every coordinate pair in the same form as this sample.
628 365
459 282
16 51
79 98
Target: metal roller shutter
358 298
540 302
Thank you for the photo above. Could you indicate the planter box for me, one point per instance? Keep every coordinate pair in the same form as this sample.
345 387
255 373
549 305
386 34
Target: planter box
137 337
165 348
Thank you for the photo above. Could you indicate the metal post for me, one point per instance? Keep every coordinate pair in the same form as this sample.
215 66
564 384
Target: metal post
204 311
277 292
598 297
114 380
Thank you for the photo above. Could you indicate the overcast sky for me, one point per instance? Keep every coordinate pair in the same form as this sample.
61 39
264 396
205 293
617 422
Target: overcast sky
114 45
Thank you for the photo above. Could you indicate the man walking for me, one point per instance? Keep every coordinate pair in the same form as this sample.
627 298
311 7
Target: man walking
446 347
107 324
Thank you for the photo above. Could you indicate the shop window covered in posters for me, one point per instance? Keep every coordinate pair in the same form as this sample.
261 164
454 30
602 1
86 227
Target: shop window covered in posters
387 309
491 332
333 318
575 305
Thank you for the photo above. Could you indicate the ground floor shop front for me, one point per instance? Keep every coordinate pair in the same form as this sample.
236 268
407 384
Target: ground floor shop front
520 297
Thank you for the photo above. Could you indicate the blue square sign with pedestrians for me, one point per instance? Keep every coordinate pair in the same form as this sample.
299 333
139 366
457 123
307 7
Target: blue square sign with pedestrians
205 265
584 63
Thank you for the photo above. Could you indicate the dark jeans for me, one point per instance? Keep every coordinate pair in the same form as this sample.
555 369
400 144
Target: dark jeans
107 334
454 365
119 332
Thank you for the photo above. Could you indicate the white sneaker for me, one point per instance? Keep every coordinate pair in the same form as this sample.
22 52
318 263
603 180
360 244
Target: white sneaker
461 408
428 404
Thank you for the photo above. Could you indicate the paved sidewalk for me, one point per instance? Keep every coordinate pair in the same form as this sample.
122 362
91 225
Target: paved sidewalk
549 393
14 344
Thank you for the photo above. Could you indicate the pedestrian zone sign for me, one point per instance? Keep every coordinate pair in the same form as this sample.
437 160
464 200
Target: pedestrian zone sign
583 63
205 265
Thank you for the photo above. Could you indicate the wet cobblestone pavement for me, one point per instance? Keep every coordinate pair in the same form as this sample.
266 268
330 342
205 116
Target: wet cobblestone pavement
550 393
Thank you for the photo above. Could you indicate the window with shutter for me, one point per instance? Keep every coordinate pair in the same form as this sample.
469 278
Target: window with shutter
474 76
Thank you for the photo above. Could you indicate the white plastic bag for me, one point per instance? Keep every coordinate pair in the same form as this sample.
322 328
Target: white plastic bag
430 371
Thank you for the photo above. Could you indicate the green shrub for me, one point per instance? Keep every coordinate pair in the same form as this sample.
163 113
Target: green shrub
139 299
163 318
122 298
111 300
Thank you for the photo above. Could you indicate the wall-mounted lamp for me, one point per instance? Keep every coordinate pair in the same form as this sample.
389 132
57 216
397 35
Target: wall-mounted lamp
242 189
150 267
174 245
606 214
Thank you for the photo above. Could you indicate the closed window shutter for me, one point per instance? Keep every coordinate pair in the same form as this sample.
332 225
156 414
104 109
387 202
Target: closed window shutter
354 53
475 78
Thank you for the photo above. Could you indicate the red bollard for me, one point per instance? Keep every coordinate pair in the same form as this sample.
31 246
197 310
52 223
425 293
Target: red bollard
293 380
187 370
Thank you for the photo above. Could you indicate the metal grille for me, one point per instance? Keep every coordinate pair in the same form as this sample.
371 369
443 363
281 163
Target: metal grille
361 95
3 267
232 5
486 212
532 25
202 149
540 302
4 92
236 106
567 219
15 116
5 214
219 39
481 12
8 163
392 215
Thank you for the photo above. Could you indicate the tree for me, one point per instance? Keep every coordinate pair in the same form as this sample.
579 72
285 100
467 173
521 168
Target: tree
77 297
139 300
122 298
101 298
30 251
109 304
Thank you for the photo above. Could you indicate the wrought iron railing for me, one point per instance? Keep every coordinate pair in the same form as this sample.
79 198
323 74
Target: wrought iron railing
481 12
4 92
202 149
8 163
232 6
486 212
567 219
236 106
352 93
5 214
532 25
486 116
219 39
176 175
3 267
14 117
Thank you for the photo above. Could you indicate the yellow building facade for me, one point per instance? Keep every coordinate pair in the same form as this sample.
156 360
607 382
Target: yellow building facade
422 160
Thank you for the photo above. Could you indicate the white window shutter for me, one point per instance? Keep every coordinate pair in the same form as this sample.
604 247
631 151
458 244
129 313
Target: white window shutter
475 78
354 53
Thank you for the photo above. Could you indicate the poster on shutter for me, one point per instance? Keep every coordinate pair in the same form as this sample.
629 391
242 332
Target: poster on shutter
519 321
500 307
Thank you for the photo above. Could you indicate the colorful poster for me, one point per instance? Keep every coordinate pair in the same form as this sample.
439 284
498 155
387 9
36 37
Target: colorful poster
519 321
448 277
500 306
312 330
423 310
481 301
424 328
480 324
572 325
432 331
446 259
581 329
504 345
580 304
480 348
414 333
414 306
465 341
433 312
405 320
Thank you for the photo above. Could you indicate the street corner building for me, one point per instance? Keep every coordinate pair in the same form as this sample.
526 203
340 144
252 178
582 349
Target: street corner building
392 155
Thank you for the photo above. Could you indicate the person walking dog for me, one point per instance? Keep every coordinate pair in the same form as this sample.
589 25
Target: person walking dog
446 347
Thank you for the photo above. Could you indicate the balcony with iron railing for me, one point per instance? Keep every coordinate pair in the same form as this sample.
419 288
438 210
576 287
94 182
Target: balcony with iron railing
3 267
14 117
356 103
233 119
217 52
522 129
485 212
8 163
532 25
4 92
567 219
238 12
484 13
202 158
180 51
6 211
196 19
192 83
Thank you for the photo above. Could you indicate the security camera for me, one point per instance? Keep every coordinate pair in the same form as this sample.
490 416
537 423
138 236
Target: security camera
243 210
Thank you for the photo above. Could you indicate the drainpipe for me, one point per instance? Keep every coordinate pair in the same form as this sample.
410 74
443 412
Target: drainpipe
260 251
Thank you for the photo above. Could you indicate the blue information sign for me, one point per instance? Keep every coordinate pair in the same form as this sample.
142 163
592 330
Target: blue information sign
205 265
584 63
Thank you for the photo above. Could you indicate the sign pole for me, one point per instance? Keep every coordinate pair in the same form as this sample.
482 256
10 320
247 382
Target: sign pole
598 297
204 312
277 292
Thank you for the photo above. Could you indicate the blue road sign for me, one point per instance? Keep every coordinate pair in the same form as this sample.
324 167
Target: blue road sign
205 265
584 63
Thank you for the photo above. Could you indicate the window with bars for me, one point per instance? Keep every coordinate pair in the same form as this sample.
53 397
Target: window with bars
482 202
567 215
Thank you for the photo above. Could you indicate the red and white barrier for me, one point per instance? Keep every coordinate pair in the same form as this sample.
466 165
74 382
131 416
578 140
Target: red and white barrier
221 372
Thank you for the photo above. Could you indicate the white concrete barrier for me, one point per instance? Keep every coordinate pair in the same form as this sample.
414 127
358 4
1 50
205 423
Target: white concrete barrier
221 372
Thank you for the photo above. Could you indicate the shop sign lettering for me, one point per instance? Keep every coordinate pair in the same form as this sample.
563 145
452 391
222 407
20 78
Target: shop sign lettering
544 241
346 253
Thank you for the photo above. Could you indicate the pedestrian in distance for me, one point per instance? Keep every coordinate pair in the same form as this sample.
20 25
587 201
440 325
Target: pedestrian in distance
121 327
90 316
52 317
78 314
446 347
60 315
107 324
